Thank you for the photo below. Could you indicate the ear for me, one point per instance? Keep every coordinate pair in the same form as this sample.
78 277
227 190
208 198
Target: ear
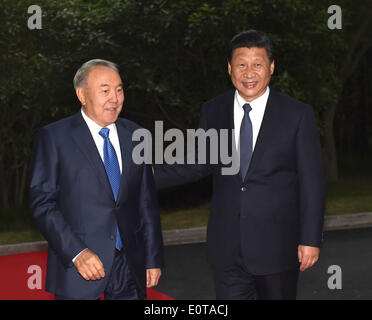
229 68
272 67
80 92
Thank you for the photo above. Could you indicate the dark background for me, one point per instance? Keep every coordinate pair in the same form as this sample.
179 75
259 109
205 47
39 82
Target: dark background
172 57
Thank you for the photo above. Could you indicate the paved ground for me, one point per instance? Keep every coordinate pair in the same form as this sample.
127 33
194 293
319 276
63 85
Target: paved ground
188 276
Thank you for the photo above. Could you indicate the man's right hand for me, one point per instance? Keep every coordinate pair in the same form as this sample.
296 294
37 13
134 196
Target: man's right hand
89 265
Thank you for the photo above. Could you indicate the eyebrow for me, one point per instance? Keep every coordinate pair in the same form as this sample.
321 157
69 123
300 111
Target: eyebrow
106 85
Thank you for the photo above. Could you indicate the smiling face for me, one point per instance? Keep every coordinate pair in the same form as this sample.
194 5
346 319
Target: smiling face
103 96
250 70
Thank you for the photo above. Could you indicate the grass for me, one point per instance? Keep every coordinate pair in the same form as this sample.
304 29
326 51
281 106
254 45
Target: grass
353 192
16 226
20 236
182 219
349 195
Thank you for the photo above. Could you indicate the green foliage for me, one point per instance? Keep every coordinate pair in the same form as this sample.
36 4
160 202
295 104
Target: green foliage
172 56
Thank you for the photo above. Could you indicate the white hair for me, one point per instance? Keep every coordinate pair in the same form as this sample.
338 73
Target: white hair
80 78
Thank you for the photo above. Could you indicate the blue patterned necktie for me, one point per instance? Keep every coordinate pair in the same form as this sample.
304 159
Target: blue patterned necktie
111 163
246 141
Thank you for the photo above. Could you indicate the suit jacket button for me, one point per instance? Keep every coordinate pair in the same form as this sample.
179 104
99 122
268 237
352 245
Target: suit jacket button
243 189
112 238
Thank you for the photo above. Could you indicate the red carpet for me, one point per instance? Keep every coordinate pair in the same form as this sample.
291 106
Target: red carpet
15 279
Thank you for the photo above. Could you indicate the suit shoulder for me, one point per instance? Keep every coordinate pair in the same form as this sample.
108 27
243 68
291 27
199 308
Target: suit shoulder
219 104
221 100
286 100
57 125
290 105
130 125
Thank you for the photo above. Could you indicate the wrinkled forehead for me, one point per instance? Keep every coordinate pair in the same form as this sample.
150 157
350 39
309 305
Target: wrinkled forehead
103 76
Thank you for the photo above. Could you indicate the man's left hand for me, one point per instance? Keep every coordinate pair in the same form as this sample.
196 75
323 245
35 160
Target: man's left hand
307 256
153 276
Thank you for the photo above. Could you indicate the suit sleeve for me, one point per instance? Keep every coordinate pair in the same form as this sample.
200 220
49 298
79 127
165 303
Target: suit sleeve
311 177
149 212
177 174
43 195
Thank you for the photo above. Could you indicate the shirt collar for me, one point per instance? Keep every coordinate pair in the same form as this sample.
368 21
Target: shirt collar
256 103
94 127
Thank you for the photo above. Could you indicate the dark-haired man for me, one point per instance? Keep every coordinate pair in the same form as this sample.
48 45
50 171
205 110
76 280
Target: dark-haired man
266 221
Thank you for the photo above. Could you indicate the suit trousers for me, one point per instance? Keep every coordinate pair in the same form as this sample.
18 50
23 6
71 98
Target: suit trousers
237 283
121 284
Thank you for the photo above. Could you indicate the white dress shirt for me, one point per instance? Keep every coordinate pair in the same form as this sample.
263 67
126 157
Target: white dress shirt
256 114
94 129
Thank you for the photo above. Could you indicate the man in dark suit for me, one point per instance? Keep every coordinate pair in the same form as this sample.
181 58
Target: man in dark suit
94 206
266 221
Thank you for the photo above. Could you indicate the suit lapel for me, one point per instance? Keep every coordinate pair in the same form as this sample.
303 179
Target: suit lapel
231 129
228 123
126 147
83 138
269 122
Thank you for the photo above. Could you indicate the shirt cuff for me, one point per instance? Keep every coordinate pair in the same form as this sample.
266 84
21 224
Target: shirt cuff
73 260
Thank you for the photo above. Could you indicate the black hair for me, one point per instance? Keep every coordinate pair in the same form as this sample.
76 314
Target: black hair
249 39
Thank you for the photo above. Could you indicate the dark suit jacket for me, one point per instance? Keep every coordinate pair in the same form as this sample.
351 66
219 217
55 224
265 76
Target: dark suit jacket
280 203
73 205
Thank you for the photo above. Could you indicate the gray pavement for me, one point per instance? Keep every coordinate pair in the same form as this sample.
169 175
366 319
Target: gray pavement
188 276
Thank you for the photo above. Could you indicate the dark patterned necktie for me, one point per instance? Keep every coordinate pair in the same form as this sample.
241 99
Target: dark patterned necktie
246 141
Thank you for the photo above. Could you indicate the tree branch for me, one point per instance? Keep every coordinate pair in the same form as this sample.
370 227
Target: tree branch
165 114
358 57
345 70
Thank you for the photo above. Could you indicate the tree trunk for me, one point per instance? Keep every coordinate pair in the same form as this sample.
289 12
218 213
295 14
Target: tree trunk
4 193
330 154
357 50
22 186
